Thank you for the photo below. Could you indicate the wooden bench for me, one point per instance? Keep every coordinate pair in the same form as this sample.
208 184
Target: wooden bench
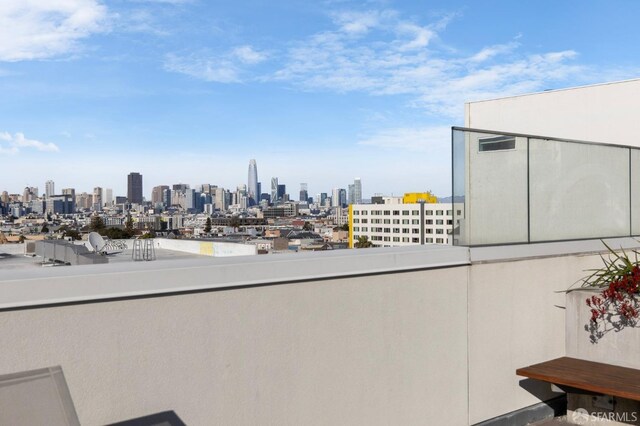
589 376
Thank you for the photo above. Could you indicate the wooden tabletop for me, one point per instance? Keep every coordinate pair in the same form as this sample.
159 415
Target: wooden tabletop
591 376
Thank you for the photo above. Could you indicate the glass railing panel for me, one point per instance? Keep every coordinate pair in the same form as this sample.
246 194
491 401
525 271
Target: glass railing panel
577 190
496 189
635 191
459 156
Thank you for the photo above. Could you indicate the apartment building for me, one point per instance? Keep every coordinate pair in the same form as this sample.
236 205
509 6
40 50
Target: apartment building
391 225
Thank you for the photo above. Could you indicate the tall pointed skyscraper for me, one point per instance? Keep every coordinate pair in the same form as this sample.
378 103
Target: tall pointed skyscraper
252 186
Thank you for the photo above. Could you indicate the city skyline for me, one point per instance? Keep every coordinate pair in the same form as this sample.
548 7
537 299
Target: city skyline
153 194
185 90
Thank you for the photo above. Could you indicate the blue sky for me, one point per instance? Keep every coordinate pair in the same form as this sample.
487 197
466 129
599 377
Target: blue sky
318 92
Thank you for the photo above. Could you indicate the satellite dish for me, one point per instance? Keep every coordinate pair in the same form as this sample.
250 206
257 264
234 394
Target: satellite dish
97 242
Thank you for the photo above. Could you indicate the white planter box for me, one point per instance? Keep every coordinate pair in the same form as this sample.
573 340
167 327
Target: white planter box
614 347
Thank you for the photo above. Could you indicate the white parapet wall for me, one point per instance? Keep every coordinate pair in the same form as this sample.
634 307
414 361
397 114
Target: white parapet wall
203 248
207 248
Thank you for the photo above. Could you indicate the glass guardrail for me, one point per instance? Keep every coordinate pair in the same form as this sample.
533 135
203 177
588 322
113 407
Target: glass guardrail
516 188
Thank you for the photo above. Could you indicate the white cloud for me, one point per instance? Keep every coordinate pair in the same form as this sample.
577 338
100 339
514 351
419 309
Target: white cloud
396 56
223 68
420 36
424 139
206 68
249 55
35 29
11 144
357 23
492 51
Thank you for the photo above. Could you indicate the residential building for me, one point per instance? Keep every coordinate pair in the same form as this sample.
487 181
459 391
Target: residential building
391 225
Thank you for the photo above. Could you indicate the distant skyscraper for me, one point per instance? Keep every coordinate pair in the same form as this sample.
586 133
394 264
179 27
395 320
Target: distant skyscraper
166 197
252 186
29 194
97 199
157 194
304 194
282 190
134 188
336 200
274 189
220 199
180 187
108 197
72 193
49 188
357 191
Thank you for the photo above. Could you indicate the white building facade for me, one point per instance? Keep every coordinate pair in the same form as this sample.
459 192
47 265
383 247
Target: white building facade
392 225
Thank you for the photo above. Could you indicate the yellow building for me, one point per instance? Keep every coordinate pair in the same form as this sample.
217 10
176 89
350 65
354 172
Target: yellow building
416 197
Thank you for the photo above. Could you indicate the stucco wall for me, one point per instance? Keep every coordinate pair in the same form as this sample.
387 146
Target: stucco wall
386 349
516 318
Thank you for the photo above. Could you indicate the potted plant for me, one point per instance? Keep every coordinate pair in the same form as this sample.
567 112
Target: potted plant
603 314
616 305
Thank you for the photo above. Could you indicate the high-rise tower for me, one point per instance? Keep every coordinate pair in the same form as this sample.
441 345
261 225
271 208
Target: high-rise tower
274 190
304 194
134 188
49 188
252 185
357 191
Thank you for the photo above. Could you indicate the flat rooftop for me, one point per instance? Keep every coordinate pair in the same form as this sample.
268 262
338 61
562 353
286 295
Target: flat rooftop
12 257
26 284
